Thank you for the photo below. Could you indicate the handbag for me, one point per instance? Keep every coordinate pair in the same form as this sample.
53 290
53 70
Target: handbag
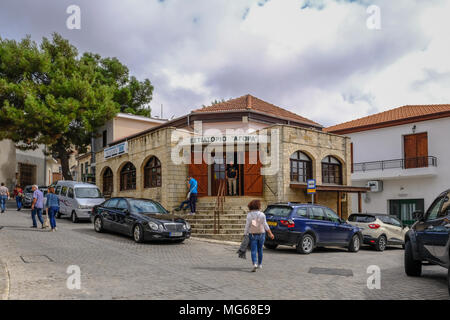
46 221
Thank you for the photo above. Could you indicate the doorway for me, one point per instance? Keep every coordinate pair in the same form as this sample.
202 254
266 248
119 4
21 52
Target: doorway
404 209
219 173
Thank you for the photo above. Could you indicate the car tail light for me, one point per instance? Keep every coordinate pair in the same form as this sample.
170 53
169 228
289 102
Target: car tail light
288 223
374 226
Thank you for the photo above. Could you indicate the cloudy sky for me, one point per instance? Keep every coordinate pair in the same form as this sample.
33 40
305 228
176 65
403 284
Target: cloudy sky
317 58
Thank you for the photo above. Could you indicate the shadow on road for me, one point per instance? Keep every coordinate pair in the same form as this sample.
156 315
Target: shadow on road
224 269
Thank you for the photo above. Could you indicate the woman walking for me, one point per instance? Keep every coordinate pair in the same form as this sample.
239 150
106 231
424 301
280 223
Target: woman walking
18 194
52 207
256 228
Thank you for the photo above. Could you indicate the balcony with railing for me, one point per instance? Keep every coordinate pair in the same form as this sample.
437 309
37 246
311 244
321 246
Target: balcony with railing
395 168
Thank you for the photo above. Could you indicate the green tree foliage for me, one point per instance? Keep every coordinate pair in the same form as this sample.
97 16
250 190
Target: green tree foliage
51 95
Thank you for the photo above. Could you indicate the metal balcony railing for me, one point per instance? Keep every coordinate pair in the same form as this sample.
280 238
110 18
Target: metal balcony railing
409 163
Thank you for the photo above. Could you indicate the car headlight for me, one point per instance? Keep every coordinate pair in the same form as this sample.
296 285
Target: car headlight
187 226
161 228
154 226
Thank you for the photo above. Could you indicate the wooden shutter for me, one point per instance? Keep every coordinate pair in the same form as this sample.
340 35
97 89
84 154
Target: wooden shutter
200 173
253 180
416 150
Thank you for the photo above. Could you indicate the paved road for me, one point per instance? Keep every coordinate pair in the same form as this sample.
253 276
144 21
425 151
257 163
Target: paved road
114 267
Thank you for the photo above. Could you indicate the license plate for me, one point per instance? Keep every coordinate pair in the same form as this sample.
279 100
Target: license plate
176 234
272 223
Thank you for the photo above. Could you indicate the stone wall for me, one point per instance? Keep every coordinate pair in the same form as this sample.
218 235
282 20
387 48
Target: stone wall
173 188
317 145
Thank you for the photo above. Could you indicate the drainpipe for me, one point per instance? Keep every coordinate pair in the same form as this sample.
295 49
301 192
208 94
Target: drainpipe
45 165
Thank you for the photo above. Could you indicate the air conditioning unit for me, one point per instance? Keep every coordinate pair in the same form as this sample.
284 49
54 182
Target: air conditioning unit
375 186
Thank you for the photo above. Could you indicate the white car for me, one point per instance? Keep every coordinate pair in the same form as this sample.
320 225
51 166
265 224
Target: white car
379 230
76 199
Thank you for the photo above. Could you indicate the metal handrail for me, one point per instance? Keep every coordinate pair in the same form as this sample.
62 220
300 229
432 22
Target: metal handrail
408 163
218 210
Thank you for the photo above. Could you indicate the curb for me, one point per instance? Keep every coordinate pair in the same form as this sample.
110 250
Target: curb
229 243
4 281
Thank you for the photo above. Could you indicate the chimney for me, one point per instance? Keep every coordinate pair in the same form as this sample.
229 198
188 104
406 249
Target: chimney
249 101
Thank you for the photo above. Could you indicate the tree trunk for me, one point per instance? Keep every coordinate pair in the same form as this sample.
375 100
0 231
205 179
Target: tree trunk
63 157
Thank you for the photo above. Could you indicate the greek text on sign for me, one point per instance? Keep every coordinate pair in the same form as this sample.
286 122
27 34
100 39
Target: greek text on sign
116 150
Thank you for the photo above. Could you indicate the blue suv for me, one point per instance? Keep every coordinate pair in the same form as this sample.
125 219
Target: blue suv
307 226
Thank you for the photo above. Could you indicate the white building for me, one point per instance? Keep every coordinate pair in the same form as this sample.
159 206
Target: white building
404 154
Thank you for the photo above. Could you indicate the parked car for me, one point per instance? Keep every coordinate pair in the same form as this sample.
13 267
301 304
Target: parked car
428 240
379 230
28 195
76 199
143 219
308 226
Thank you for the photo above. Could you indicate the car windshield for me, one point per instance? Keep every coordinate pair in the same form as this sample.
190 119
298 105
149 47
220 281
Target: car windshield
361 218
146 206
279 211
87 193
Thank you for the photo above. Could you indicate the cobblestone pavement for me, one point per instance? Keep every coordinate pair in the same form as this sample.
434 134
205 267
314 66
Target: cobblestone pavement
114 267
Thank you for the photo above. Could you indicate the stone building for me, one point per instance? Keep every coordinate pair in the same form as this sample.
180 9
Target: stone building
274 150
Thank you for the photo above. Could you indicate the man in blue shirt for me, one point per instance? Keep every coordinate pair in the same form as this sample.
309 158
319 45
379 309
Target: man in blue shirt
193 193
37 206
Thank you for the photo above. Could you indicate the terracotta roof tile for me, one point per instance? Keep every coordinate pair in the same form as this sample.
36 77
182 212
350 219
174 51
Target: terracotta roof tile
393 117
249 102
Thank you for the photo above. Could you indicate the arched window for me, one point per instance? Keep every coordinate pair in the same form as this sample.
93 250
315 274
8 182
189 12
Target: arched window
128 177
152 173
108 181
301 167
331 170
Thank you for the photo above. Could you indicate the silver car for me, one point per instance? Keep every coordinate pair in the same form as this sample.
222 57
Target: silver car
76 199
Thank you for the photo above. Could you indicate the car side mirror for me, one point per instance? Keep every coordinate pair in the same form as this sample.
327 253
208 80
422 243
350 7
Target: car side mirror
126 212
418 215
341 221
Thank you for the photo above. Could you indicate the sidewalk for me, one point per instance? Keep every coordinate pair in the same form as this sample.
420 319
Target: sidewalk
4 281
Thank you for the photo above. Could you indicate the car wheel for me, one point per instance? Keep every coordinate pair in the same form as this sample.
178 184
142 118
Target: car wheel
271 246
413 268
138 233
381 243
355 243
306 244
98 224
74 217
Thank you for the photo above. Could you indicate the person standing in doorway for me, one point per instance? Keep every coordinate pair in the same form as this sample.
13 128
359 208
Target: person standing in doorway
18 194
256 228
232 179
52 207
4 196
193 190
37 206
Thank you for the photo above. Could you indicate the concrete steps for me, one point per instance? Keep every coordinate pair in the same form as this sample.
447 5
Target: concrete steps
232 220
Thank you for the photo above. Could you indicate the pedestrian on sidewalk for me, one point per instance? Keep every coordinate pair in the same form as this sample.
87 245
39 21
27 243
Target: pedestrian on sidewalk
37 206
4 196
193 184
52 207
256 228
18 195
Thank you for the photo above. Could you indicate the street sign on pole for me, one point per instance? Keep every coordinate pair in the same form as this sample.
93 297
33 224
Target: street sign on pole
311 188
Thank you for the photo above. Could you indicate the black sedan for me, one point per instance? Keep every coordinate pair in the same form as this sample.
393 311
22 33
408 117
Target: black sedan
142 219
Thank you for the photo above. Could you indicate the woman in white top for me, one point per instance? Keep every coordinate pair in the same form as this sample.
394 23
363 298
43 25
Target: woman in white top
256 228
